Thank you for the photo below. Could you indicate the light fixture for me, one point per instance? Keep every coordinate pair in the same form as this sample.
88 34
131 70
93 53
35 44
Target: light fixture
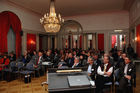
51 21
118 30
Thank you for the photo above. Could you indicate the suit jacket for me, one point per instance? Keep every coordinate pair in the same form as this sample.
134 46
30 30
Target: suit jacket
130 70
79 65
70 62
97 63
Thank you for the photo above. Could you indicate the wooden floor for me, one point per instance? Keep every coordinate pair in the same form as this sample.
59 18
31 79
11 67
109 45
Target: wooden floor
18 86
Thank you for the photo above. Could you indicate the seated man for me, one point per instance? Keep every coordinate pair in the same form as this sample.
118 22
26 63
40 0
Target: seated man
91 68
127 73
76 62
104 73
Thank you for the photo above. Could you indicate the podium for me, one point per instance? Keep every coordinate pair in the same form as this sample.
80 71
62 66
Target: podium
58 83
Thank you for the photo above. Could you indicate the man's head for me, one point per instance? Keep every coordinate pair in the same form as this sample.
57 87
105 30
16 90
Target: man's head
40 53
127 60
70 55
81 57
119 53
124 55
95 56
90 60
106 59
76 60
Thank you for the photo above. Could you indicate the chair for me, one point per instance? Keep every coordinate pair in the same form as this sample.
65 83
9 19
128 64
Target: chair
109 84
9 70
20 66
116 76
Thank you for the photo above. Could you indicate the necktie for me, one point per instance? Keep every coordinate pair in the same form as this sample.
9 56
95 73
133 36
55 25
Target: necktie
104 68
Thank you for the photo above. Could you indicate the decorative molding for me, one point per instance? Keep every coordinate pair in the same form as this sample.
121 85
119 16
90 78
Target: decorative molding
128 4
23 8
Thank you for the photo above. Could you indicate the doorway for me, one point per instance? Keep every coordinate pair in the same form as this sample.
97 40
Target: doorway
119 41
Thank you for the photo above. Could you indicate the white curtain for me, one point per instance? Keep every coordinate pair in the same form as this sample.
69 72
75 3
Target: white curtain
11 40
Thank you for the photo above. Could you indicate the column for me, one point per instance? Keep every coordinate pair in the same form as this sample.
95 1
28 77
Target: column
49 42
85 41
37 42
55 40
24 42
94 40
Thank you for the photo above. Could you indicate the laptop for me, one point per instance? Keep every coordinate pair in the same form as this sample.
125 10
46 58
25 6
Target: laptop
78 81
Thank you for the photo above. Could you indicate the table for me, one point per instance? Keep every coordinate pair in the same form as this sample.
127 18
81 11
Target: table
57 82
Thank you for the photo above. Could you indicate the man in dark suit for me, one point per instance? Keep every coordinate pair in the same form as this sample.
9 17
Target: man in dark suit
76 63
91 68
70 60
104 73
127 73
121 61
97 62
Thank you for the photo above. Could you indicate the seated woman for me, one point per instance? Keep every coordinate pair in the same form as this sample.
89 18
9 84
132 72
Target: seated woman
4 61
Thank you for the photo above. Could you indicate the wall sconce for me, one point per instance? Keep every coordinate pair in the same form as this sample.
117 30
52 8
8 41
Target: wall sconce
32 42
135 38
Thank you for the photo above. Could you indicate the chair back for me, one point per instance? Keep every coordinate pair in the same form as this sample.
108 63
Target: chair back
30 66
20 65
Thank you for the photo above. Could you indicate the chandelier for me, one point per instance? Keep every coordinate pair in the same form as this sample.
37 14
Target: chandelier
51 21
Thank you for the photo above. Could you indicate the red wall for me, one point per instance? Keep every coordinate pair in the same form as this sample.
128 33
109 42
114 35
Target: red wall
138 39
100 41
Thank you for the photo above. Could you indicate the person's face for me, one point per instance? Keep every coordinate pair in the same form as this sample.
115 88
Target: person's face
34 53
90 61
119 53
74 52
5 57
76 60
70 55
40 54
95 57
106 60
127 60
81 57
123 56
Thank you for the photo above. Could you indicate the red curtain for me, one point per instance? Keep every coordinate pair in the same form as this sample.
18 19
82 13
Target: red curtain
114 40
31 42
8 19
138 39
101 42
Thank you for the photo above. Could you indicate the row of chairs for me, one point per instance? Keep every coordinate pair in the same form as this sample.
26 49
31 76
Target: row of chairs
18 68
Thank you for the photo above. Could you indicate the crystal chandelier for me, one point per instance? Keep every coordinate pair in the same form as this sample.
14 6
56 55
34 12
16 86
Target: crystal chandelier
51 21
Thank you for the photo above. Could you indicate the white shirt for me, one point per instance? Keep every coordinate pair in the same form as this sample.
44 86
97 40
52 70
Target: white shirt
89 69
125 69
39 59
100 72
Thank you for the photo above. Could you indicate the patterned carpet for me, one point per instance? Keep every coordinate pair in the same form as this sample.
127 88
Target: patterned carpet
18 86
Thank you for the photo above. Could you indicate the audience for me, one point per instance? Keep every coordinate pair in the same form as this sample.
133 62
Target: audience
99 69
